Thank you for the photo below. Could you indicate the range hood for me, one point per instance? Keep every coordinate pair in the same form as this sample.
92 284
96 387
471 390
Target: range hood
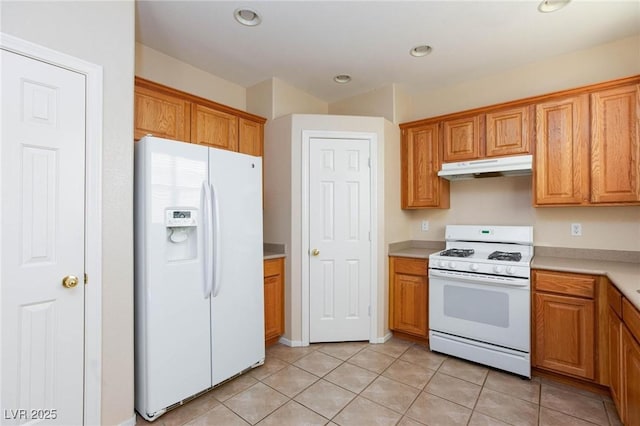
518 165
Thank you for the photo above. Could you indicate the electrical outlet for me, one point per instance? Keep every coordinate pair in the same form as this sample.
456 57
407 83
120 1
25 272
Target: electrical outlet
576 229
425 225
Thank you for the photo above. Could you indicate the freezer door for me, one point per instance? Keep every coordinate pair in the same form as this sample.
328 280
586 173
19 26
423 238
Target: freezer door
172 311
237 314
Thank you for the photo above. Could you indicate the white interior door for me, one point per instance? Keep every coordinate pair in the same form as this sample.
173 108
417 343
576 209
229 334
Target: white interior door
42 234
339 239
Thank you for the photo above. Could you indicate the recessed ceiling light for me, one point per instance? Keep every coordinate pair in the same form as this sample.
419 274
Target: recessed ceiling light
248 17
547 6
422 50
342 78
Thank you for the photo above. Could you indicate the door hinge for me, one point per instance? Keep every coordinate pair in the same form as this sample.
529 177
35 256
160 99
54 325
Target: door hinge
369 162
86 278
369 235
369 310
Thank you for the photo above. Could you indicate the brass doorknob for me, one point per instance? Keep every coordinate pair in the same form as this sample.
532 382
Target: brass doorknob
315 252
70 281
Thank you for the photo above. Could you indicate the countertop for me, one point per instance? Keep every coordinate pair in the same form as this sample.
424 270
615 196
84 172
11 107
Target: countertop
273 251
415 249
624 275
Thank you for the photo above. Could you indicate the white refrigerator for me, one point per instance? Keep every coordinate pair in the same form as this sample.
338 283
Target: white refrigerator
199 312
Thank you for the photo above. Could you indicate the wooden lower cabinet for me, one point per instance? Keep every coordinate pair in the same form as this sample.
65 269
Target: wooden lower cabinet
631 379
564 331
273 300
615 358
409 296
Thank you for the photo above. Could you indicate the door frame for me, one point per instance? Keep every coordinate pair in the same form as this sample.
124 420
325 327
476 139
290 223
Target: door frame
93 211
372 138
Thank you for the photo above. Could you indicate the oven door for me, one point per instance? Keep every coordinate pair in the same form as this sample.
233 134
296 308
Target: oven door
485 308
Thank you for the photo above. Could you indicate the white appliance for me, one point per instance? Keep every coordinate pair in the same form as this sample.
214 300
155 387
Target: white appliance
199 312
480 295
517 165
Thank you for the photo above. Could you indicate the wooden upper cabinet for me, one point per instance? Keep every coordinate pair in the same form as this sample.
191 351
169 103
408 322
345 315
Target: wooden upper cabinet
250 137
161 115
615 145
508 132
462 139
214 128
172 114
420 161
561 168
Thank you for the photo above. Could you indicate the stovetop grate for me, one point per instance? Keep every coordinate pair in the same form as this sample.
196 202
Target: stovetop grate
455 252
505 255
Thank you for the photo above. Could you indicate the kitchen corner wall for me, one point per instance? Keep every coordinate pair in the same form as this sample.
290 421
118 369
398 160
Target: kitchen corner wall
283 202
101 32
274 98
508 200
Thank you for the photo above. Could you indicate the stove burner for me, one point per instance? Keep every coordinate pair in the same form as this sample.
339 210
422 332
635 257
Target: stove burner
457 252
504 255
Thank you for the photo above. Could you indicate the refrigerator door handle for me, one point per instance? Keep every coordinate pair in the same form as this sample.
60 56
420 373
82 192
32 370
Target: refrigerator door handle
217 242
207 239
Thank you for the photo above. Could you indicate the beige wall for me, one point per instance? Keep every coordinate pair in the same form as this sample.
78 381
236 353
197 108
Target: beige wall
101 33
600 63
274 98
376 103
509 200
164 69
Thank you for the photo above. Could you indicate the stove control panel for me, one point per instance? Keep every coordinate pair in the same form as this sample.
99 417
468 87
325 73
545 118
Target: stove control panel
482 267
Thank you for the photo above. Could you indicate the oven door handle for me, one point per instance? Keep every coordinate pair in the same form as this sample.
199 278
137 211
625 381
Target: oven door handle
480 280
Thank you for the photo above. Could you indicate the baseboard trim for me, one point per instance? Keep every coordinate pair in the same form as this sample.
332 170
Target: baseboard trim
383 339
129 422
291 343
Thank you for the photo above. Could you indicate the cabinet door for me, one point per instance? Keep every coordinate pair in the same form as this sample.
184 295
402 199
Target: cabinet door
410 304
462 139
509 132
631 380
250 137
420 157
615 359
214 128
615 145
161 115
408 298
561 172
564 334
273 299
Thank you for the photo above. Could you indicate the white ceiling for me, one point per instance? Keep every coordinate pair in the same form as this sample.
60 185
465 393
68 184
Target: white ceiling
306 43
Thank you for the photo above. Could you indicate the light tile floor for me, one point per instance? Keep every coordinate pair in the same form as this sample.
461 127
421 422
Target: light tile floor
395 383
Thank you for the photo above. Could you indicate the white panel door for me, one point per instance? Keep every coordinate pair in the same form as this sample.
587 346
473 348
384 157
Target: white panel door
42 230
339 240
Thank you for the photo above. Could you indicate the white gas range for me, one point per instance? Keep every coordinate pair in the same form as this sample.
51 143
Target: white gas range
479 296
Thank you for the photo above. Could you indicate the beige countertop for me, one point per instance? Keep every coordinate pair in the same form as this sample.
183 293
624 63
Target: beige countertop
624 275
273 251
415 248
273 255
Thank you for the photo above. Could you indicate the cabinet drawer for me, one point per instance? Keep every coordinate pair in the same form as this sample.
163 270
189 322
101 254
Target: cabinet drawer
272 267
631 318
403 265
615 299
565 283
